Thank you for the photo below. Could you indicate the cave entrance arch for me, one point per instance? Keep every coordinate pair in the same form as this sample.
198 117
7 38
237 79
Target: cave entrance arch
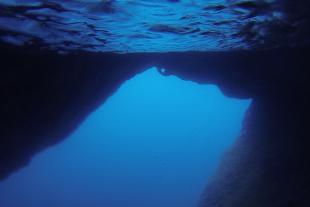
153 143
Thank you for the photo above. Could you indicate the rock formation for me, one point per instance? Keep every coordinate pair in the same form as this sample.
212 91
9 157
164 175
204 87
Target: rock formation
45 96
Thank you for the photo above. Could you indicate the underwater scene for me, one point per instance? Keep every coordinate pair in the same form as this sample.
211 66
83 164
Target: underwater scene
154 25
155 142
154 103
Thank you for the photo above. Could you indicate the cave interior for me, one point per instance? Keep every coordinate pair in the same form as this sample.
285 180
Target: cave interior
48 89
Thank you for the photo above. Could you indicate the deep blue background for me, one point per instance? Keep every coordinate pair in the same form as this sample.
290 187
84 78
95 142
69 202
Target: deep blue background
154 143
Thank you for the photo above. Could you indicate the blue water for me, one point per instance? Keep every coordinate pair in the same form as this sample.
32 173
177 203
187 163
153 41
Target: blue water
139 25
154 143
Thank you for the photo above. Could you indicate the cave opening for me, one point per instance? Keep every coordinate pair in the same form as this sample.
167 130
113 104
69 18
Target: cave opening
155 142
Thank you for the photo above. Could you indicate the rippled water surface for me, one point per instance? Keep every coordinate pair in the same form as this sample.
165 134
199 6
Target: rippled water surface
145 25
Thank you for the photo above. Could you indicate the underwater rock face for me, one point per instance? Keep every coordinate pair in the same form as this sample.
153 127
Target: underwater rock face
269 165
155 26
47 95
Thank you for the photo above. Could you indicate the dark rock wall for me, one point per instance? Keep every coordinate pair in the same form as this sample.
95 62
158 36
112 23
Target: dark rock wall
45 96
269 165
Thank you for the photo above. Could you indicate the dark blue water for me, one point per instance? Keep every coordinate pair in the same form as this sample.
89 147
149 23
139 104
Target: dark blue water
147 25
154 143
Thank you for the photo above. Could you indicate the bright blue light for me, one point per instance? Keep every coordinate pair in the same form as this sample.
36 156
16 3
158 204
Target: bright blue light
154 143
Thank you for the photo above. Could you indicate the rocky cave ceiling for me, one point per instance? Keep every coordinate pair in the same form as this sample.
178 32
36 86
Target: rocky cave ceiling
154 25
